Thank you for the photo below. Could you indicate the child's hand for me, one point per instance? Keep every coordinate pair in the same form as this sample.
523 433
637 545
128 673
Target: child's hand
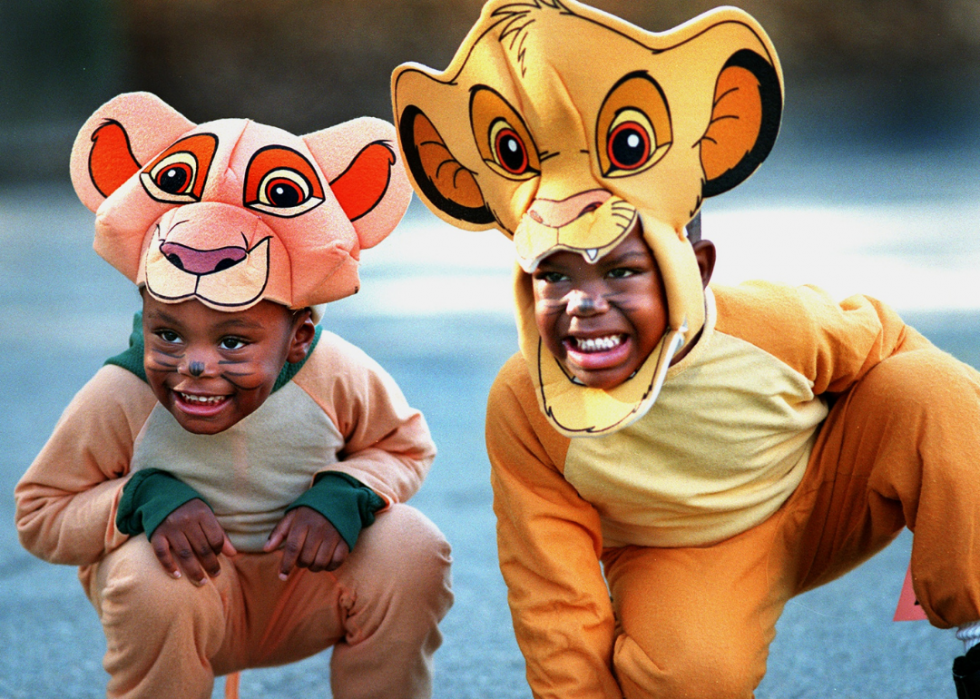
308 540
193 535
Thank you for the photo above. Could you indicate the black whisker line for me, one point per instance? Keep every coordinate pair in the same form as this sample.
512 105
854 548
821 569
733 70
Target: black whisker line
165 369
240 387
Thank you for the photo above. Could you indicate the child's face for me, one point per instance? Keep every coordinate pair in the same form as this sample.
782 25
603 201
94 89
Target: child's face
601 320
212 368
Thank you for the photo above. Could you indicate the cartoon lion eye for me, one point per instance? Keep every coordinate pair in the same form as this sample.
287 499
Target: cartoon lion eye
509 151
630 137
281 182
503 140
283 189
633 130
177 175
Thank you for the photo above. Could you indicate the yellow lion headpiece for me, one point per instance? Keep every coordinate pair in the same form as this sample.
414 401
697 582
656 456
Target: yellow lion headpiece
564 127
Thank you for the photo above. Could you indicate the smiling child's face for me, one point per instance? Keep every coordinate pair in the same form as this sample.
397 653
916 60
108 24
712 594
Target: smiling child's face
601 320
212 368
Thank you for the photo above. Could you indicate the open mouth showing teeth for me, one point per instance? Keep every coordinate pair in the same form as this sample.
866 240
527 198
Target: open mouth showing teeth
597 344
201 400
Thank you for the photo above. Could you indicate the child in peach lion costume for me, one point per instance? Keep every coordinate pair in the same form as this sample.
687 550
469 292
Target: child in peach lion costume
232 486
673 461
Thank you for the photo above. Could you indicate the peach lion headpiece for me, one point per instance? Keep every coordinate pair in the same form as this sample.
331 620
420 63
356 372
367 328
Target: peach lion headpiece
231 212
565 127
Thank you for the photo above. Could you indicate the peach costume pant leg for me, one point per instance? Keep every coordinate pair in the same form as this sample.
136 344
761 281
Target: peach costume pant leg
901 448
380 611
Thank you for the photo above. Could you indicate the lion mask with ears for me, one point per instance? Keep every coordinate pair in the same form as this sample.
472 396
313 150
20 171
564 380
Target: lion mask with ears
564 127
231 212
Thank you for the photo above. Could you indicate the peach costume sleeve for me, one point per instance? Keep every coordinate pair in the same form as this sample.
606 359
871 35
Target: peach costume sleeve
67 499
550 542
387 446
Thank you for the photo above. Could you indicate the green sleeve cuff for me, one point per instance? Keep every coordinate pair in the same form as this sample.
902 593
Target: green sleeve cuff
347 503
148 498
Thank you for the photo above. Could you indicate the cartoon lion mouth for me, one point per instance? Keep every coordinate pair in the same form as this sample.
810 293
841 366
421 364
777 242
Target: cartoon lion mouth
227 277
593 234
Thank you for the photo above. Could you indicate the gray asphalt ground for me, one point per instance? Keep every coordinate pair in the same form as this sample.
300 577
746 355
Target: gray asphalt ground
63 310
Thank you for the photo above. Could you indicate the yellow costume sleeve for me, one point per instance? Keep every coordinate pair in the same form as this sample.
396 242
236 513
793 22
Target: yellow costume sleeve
549 543
832 344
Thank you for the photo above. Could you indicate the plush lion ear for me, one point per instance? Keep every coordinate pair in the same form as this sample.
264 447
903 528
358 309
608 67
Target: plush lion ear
748 105
359 159
438 176
434 154
124 133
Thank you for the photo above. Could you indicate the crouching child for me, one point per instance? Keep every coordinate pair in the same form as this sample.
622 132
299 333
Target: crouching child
232 486
673 460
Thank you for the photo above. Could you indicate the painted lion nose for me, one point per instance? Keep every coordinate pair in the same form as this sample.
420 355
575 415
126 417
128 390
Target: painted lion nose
583 303
202 261
555 214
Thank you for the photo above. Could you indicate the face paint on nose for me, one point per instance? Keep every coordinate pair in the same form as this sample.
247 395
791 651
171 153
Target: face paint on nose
581 303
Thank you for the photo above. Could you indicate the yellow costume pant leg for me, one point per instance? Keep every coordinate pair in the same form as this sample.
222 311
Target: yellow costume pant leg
902 447
696 621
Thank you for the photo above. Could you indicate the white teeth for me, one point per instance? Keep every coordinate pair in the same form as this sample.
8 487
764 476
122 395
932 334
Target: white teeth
598 344
202 400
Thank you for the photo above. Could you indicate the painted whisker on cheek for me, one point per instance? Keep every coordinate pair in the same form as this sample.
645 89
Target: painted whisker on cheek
163 356
162 368
227 376
164 361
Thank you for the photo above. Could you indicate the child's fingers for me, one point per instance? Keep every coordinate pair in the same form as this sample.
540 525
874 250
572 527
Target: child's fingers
204 550
187 558
279 534
215 535
320 559
161 547
340 554
332 553
291 550
313 547
217 539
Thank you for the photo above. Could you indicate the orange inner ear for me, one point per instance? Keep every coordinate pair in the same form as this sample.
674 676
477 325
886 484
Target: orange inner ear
363 184
735 122
447 175
111 161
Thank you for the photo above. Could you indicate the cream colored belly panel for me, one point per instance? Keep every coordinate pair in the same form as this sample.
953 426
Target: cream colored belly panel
723 447
252 471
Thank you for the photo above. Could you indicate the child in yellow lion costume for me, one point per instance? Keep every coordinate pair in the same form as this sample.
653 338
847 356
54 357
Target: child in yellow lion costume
673 461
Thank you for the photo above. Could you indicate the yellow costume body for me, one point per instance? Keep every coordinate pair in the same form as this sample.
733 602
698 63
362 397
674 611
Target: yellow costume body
795 440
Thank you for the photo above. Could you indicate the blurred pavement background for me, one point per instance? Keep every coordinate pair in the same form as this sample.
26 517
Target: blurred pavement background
873 186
